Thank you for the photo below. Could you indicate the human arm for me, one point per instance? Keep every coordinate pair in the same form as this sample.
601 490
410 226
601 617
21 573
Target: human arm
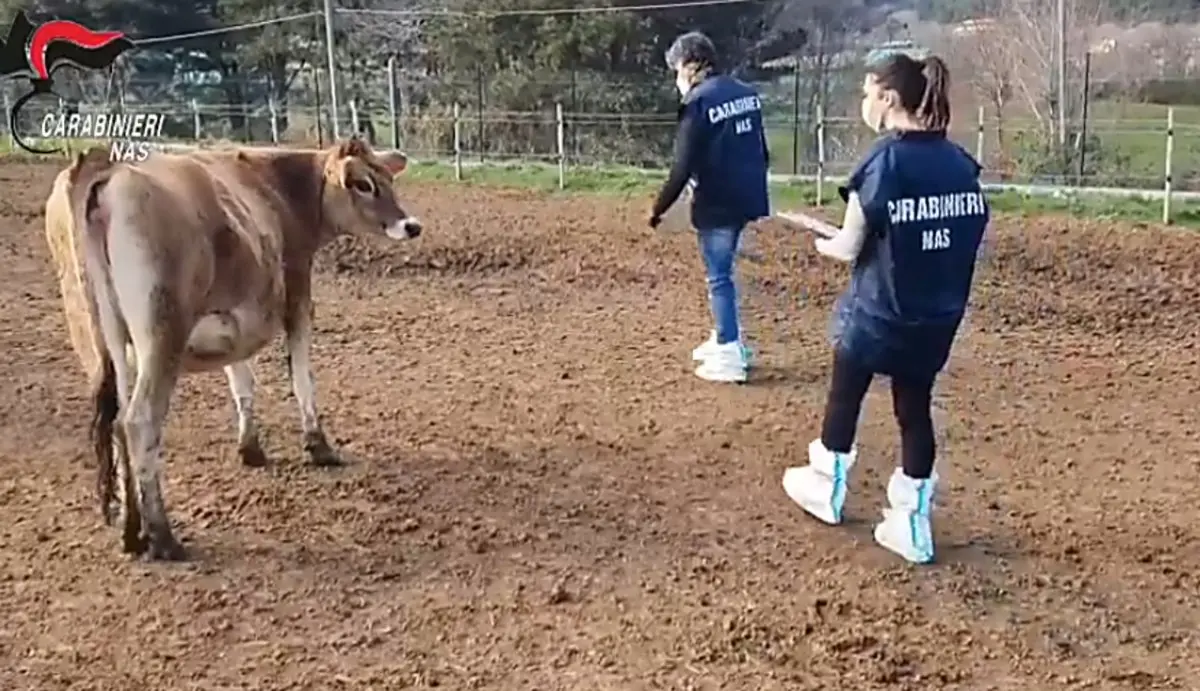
865 193
687 145
848 241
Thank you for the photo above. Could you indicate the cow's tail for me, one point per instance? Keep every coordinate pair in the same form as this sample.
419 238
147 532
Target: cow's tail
105 407
89 174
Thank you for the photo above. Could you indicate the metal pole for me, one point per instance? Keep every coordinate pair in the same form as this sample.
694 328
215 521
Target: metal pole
1083 120
796 116
330 56
560 126
1062 74
395 121
821 153
457 142
1166 216
979 136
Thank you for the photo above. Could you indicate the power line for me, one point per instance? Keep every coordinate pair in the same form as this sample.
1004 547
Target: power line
548 11
224 29
440 13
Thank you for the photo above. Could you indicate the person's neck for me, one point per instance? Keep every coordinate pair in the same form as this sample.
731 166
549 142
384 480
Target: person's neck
905 123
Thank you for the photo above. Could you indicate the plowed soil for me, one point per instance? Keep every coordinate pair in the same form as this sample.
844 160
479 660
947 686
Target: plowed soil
542 496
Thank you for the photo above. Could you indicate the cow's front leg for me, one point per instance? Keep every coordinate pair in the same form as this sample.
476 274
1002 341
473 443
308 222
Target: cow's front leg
241 385
299 343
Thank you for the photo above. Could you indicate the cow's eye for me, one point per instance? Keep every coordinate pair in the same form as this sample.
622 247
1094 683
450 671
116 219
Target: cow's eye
363 185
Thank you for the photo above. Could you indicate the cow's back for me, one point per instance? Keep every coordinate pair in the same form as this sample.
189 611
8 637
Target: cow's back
211 225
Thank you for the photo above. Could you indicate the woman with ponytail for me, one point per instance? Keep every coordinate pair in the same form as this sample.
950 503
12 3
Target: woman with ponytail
915 216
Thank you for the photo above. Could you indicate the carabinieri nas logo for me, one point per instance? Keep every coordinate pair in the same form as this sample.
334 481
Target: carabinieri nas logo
34 53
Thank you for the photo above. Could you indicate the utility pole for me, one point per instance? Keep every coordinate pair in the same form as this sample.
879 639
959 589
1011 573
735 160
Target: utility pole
1062 74
333 80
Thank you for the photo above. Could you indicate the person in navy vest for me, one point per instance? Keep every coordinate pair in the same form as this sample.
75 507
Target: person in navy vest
721 151
915 218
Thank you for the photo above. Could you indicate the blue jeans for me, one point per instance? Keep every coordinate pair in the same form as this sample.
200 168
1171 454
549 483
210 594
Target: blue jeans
718 248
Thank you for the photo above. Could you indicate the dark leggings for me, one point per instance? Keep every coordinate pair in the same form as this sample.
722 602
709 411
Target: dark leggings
911 400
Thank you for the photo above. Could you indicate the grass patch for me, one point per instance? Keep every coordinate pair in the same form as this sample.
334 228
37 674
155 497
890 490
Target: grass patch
618 181
632 181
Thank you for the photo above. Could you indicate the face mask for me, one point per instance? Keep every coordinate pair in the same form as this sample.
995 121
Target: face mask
873 120
682 83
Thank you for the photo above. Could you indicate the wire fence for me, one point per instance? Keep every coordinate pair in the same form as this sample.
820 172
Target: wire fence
575 117
1131 153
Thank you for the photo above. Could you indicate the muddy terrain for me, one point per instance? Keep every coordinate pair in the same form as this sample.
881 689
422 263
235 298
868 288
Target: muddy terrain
543 497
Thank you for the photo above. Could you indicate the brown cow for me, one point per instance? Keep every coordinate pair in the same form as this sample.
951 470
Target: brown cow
194 262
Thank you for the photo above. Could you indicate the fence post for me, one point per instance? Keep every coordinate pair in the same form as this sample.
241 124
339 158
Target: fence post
1166 216
331 59
274 114
796 116
821 154
393 120
979 137
195 120
457 142
1083 123
560 125
355 124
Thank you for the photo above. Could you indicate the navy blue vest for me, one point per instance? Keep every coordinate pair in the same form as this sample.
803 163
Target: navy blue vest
926 216
731 164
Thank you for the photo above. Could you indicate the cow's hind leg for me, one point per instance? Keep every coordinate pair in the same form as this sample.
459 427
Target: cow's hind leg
158 370
299 344
133 541
241 385
111 444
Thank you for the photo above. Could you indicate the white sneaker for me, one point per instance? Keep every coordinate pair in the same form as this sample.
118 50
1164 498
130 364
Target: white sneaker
706 349
820 487
907 528
723 364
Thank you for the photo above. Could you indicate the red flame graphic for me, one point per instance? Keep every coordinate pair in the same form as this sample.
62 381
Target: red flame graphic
63 30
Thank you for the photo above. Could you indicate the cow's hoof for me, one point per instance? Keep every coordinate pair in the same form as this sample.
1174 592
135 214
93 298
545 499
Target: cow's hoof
253 456
133 542
164 549
320 453
324 457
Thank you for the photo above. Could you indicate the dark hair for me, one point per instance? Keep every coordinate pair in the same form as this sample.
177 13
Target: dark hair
692 48
923 86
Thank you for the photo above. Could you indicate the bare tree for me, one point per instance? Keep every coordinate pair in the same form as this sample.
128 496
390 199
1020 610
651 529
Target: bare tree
981 59
1013 56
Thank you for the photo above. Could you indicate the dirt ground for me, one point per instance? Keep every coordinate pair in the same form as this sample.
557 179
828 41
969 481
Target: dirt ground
543 496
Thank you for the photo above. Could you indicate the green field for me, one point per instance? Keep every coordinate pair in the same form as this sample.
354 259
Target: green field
620 180
1131 137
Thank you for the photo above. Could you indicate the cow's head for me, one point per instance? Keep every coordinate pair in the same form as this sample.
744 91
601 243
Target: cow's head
359 196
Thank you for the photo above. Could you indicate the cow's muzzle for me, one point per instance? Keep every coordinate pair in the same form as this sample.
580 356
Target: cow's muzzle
404 229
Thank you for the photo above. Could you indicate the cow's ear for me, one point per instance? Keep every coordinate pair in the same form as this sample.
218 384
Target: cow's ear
394 161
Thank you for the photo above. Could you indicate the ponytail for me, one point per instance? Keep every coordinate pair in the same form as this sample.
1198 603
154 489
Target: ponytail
934 110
